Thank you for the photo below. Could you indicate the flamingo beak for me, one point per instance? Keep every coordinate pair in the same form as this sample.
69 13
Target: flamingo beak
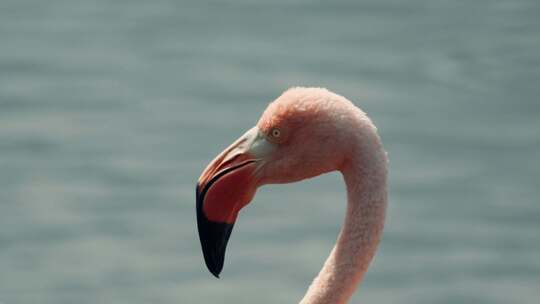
226 186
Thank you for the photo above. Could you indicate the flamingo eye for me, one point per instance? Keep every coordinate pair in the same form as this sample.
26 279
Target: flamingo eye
276 133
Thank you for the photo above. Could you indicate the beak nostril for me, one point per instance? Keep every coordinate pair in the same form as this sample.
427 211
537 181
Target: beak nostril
227 162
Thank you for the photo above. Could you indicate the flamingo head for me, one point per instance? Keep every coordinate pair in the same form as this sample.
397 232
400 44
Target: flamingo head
303 133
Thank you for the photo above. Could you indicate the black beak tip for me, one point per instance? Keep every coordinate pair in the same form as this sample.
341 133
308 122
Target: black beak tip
214 237
213 258
215 273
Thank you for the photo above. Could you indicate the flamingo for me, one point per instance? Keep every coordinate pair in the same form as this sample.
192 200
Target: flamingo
304 133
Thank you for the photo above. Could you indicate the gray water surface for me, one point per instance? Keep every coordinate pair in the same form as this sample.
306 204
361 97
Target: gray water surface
109 110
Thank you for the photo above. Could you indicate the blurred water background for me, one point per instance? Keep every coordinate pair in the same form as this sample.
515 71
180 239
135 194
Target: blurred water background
109 110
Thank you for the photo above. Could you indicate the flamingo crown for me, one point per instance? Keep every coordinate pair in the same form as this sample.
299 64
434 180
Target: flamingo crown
304 133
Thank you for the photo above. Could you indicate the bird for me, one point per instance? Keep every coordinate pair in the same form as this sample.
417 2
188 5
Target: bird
303 133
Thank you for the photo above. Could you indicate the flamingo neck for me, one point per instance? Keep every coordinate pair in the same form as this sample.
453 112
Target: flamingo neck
365 179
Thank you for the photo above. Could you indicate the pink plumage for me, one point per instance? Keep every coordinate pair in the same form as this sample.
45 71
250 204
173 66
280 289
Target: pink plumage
305 132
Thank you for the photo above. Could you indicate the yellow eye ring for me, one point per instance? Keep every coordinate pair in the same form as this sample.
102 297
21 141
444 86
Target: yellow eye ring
276 133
